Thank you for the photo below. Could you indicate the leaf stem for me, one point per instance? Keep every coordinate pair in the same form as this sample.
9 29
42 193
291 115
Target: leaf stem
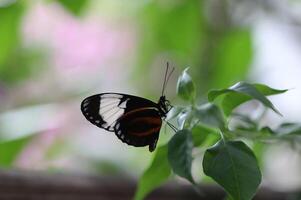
222 136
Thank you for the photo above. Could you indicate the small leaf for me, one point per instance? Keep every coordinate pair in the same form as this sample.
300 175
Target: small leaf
266 90
232 100
233 165
179 154
211 115
289 129
242 92
185 87
185 118
181 119
157 173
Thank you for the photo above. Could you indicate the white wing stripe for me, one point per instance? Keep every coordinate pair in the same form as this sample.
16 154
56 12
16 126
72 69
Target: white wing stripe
109 108
103 112
102 105
107 117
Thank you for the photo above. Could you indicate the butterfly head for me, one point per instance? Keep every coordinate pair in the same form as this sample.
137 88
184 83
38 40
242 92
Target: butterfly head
164 106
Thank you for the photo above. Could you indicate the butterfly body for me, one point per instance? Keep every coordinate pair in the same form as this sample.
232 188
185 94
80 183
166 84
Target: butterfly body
136 121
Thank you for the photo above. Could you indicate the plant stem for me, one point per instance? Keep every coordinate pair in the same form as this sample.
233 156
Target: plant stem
222 136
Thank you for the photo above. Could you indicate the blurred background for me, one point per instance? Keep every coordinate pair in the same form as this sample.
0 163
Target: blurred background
54 53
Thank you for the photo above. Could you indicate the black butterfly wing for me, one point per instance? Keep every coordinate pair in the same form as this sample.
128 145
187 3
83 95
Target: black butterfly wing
135 120
139 127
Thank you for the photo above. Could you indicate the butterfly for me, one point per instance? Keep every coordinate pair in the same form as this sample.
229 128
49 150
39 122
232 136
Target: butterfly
136 121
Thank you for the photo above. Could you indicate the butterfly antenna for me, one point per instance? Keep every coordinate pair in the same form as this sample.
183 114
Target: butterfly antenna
166 78
172 126
169 75
164 83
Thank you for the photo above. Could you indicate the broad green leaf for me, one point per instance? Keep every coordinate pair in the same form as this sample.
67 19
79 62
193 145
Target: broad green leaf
211 115
185 87
229 198
179 154
157 173
9 150
235 96
200 134
74 6
232 100
233 165
211 139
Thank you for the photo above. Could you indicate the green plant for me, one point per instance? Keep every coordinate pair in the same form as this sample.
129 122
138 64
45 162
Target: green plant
229 162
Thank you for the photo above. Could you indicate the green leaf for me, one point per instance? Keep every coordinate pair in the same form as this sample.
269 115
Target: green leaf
232 100
289 129
266 90
157 173
200 134
9 30
186 118
74 6
9 150
242 92
233 165
185 87
211 115
179 154
211 139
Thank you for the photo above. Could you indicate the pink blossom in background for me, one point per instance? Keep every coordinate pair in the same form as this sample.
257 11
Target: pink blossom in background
82 53
78 44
